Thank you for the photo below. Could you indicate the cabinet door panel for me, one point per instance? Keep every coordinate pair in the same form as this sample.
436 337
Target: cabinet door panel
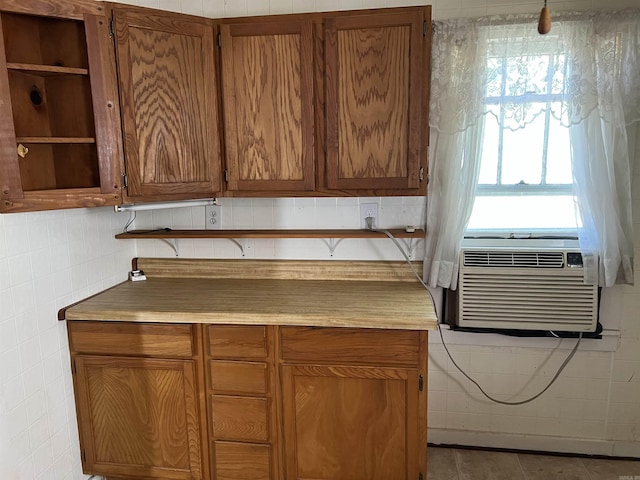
240 418
237 341
374 102
238 377
168 98
268 94
242 461
138 417
355 423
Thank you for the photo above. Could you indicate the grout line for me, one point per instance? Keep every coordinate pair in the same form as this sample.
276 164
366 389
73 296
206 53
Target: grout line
524 474
586 470
608 408
455 459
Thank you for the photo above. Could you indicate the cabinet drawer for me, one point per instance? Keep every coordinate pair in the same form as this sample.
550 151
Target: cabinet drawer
237 341
350 345
240 418
139 339
238 377
241 461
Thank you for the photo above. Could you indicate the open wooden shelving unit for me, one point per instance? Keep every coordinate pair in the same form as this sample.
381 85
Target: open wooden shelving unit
330 237
336 233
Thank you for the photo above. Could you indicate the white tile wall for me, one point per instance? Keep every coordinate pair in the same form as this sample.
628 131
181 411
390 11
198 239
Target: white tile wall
593 400
47 261
50 259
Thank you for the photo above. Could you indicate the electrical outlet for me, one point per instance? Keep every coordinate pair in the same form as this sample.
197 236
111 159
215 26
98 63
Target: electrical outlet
368 210
212 220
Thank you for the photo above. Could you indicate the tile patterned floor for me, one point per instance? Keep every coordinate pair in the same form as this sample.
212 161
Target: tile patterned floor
461 464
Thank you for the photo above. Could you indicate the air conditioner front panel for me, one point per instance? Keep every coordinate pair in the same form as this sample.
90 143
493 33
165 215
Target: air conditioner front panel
497 291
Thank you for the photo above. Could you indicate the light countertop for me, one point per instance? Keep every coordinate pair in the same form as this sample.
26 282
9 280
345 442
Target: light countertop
264 301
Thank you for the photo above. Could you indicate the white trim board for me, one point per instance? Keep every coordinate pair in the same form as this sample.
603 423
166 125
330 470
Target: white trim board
608 342
541 443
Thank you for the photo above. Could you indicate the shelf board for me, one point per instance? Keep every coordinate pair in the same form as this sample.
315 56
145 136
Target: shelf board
238 234
55 140
46 70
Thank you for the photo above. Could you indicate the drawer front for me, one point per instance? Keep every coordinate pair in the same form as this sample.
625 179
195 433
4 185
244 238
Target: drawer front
237 341
240 418
350 346
139 339
240 461
238 377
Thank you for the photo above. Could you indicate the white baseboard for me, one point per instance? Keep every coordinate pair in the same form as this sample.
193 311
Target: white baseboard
541 443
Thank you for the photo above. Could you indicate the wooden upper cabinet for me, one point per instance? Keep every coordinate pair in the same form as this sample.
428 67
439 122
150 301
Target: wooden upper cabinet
169 108
60 137
267 83
376 80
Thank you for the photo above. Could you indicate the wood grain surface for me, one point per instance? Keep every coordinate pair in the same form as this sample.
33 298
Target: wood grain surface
373 94
267 85
362 304
167 82
242 461
240 418
280 269
237 342
114 338
353 346
104 89
238 377
66 165
374 100
75 9
139 417
264 233
349 423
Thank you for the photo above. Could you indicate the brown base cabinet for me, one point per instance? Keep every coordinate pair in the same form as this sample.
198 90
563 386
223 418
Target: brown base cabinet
228 402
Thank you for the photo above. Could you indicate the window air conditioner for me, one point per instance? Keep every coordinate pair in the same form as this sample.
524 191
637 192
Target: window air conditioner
541 289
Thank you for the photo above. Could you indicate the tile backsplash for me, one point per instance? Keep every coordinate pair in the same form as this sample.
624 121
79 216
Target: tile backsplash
288 213
47 261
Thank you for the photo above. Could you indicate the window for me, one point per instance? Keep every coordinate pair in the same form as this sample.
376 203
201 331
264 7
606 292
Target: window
531 133
525 180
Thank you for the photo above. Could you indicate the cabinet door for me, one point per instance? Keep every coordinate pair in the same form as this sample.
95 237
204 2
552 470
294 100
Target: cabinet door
376 68
168 100
138 417
268 111
350 423
60 138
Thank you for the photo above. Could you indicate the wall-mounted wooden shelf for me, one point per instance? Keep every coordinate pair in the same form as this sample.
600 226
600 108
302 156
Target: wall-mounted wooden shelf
44 70
56 140
341 233
330 237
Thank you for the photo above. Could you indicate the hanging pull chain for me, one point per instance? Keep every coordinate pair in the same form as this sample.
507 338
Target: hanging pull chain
544 24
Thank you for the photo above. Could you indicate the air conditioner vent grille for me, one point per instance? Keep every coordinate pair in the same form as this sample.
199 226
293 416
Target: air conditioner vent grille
528 290
504 259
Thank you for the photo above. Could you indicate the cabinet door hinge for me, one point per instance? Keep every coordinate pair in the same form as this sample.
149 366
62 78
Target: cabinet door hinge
226 176
112 28
420 382
424 28
125 181
219 40
73 366
421 174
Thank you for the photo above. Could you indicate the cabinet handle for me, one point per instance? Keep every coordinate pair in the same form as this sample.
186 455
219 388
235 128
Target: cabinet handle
22 150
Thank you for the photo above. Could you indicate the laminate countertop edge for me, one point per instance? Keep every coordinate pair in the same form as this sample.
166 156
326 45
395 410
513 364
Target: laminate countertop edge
321 303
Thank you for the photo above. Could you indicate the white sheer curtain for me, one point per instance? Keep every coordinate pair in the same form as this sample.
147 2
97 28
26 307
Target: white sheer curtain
600 102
